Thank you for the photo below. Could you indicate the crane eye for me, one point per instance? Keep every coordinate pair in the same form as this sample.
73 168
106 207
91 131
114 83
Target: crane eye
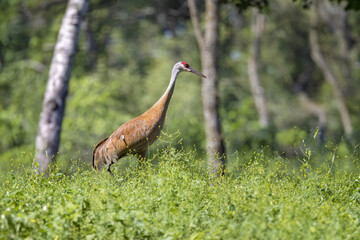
185 64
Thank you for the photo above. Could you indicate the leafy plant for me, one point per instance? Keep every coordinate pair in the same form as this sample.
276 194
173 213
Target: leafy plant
263 196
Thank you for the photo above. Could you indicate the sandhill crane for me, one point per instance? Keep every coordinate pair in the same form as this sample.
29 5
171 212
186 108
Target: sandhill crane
135 136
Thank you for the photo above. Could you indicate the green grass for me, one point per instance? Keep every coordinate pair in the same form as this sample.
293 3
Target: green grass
262 197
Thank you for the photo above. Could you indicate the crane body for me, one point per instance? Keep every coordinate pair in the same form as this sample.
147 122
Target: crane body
136 136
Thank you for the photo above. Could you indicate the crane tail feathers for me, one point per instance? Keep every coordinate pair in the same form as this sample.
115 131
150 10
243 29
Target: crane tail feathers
94 152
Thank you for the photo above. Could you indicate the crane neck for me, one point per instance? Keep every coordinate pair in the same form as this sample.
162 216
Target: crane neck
171 86
170 89
164 101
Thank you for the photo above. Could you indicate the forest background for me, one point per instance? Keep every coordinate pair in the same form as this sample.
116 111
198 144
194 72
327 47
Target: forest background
125 55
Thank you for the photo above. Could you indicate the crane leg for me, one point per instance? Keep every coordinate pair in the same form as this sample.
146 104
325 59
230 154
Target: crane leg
142 158
109 170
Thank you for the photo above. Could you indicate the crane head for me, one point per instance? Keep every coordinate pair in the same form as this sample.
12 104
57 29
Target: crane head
184 66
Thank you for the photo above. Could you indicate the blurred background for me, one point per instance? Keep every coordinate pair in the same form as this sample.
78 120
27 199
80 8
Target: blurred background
308 67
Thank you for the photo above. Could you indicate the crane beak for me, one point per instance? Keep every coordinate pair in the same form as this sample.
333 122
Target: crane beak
190 69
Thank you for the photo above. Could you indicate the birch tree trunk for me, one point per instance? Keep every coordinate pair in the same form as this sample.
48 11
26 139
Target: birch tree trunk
49 129
328 11
329 77
257 27
208 43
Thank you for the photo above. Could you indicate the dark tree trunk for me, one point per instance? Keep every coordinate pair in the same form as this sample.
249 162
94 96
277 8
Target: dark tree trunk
318 110
208 44
90 45
48 137
309 105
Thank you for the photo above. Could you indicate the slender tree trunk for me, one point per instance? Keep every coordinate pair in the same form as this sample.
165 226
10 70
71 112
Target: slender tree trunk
90 45
48 137
208 44
328 12
257 27
330 78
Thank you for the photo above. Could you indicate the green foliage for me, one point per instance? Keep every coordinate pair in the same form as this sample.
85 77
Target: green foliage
134 56
297 195
242 5
260 4
20 156
262 197
348 4
291 137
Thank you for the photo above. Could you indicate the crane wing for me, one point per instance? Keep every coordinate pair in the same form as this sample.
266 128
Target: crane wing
96 153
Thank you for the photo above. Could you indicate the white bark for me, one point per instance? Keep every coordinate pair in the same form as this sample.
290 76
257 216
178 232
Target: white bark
330 77
48 137
208 47
257 27
328 11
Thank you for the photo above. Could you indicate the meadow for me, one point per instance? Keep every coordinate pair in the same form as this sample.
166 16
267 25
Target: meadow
262 196
282 181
